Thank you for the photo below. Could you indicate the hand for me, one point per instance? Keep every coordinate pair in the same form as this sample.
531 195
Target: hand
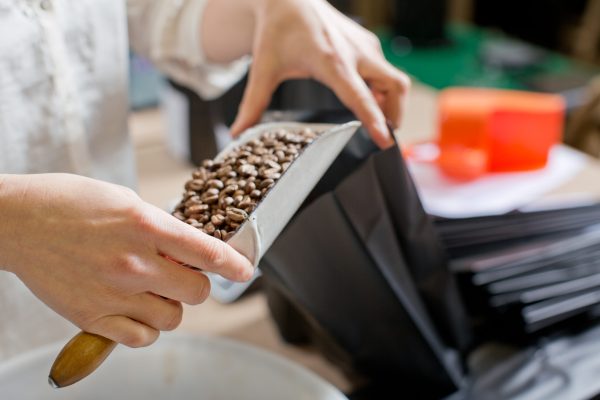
302 39
95 253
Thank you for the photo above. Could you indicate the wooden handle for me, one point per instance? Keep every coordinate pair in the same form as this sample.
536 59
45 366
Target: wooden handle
79 358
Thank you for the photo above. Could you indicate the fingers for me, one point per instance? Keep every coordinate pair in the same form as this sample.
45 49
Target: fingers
124 330
355 94
154 311
388 83
257 95
173 281
187 244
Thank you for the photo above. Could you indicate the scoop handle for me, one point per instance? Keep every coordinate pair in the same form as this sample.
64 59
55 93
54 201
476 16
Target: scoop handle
79 358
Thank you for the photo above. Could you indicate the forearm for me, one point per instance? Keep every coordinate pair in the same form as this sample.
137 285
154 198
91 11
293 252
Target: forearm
227 28
12 191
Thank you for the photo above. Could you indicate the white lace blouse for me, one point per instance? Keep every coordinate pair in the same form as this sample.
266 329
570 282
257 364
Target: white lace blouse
64 105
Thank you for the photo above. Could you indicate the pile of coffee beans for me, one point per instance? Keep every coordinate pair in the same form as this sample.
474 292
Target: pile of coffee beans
222 194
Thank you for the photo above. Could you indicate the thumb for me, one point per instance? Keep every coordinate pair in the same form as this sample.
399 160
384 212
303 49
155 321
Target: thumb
257 96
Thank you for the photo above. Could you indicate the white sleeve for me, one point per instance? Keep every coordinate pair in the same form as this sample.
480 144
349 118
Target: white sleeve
167 32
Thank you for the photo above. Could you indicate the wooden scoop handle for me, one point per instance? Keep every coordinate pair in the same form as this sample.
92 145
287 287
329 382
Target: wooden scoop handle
79 358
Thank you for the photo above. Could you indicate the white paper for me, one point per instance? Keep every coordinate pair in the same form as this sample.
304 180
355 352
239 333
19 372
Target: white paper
492 194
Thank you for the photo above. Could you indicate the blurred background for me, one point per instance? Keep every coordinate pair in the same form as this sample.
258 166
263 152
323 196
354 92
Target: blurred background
548 46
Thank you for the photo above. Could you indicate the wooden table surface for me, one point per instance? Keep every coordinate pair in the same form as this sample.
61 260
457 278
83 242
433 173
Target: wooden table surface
161 178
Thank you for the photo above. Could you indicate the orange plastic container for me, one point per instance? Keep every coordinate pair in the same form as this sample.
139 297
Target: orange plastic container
492 130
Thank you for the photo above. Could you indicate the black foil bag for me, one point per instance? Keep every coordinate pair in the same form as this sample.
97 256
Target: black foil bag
360 273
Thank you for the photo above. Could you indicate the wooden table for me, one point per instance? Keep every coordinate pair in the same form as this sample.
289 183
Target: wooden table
161 180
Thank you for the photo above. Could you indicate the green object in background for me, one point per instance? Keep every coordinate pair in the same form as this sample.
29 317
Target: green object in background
478 57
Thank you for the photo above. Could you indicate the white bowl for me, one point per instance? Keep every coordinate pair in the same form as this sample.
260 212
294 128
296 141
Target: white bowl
175 367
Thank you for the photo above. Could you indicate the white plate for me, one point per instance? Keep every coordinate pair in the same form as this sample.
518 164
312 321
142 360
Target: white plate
175 367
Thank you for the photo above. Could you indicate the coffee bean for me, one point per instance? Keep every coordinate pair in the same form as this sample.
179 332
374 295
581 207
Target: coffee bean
229 189
192 201
237 215
250 186
267 183
210 198
189 194
215 183
247 170
209 228
195 184
201 173
226 201
196 208
217 234
217 219
245 202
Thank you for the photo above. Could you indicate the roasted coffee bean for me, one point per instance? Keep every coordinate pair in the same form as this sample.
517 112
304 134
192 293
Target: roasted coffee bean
280 154
237 215
215 183
194 184
192 201
210 198
255 193
201 173
245 202
196 209
209 228
250 186
267 183
229 189
217 234
179 215
247 170
226 201
217 219
271 173
189 194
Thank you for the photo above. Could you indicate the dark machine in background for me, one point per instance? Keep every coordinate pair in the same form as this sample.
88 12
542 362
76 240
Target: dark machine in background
422 22
542 22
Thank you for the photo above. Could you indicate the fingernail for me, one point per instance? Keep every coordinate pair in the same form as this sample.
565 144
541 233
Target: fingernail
385 133
248 273
205 291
